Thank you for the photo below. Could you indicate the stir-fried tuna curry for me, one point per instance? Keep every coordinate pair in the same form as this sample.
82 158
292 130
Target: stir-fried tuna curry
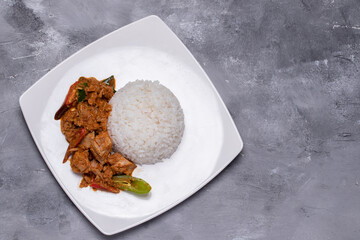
84 116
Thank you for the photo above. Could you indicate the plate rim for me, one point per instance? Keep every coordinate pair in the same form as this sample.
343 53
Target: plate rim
183 198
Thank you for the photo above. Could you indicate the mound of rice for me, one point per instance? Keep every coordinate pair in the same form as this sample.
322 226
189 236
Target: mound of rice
146 123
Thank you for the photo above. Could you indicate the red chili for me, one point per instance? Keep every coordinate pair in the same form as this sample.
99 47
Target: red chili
95 185
82 133
70 97
69 100
98 186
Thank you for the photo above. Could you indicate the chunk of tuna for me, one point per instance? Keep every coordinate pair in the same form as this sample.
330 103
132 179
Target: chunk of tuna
101 147
119 164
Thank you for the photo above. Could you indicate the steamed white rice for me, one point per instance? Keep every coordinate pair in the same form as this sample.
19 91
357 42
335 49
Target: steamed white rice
146 123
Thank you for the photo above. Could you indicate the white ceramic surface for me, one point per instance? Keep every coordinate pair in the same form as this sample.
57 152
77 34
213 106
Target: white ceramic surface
146 49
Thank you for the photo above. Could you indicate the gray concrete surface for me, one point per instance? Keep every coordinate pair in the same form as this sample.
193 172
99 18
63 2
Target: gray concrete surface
288 72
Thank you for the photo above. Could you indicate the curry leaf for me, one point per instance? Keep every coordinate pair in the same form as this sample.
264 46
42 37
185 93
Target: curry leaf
107 80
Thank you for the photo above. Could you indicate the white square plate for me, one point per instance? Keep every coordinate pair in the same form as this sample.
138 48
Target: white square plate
146 49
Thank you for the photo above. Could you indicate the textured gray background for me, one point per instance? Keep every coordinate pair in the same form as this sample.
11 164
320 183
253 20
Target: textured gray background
288 73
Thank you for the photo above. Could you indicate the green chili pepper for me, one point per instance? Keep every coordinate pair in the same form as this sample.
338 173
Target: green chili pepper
132 184
81 95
